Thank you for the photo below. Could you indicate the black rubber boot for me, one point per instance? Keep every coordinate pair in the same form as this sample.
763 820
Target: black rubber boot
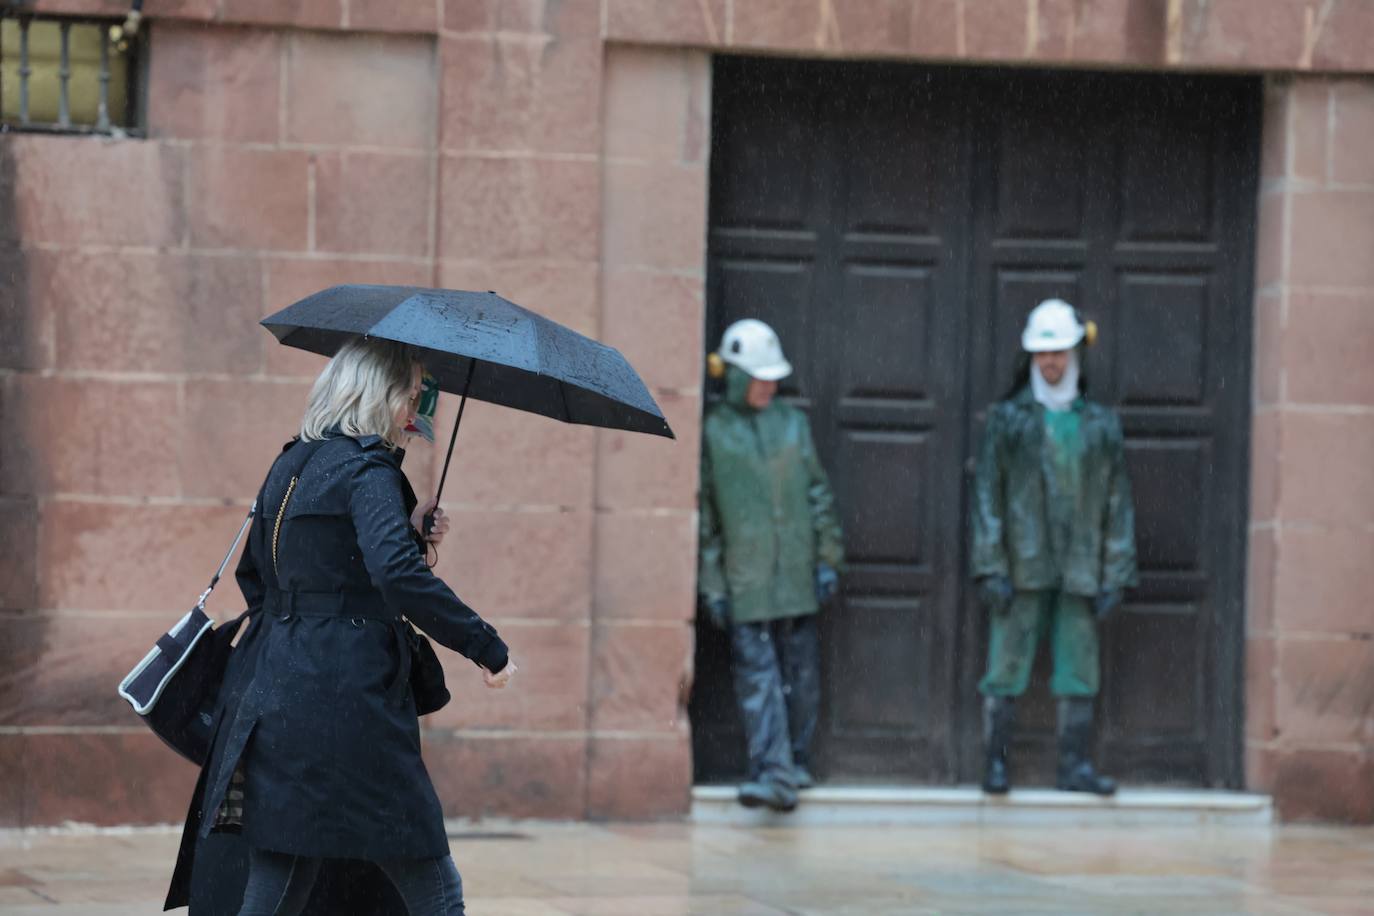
770 793
999 720
1076 773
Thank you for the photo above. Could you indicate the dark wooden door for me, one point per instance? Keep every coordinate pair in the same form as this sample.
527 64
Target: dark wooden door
895 224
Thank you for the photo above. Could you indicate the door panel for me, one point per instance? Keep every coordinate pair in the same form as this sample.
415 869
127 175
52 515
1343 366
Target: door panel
895 224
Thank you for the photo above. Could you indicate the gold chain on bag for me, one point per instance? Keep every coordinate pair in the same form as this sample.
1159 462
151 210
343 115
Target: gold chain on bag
276 529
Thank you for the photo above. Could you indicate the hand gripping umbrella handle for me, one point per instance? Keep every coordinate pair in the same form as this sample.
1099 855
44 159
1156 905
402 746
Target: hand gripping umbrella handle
462 405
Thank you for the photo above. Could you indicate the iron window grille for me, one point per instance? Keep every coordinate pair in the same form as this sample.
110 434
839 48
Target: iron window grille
60 74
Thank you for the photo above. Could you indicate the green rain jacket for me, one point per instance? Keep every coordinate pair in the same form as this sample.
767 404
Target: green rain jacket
1011 535
767 511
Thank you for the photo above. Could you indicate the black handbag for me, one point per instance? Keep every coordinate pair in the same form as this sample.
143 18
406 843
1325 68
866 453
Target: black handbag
176 685
427 684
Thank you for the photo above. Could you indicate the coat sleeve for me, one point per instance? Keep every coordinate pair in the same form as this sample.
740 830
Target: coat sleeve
825 521
377 507
711 582
1118 534
990 504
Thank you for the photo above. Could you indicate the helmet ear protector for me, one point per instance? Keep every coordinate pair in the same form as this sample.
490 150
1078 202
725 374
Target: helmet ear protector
715 366
1089 328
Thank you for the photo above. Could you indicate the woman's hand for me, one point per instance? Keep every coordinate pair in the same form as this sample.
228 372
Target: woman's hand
441 523
501 678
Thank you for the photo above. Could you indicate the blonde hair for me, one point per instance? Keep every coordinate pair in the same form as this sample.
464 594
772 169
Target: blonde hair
361 390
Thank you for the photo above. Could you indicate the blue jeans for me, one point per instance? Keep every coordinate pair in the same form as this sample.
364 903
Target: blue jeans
280 884
776 667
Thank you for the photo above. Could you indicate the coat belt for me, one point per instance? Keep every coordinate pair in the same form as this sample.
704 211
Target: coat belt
282 605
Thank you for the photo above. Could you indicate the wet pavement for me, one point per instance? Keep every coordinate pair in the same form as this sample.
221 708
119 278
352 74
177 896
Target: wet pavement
524 869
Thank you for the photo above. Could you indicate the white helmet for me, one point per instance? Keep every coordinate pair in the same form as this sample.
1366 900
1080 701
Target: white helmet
753 346
1052 325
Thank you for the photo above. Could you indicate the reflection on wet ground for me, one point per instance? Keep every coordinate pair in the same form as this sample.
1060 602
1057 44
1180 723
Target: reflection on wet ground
673 869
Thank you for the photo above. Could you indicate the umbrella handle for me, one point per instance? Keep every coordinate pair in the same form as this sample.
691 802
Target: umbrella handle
462 405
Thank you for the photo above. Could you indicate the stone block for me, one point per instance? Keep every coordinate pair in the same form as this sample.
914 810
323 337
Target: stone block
1311 784
520 563
1353 132
640 676
548 693
515 776
1278 103
1332 235
63 194
28 339
373 203
291 279
249 198
1272 242
301 14
12 786
1327 477
506 92
935 31
859 27
150 312
658 322
61 670
1310 125
1260 657
1231 33
1107 31
233 431
1261 571
1259 768
1343 42
214 83
782 25
646 566
19 546
1269 346
1265 465
157 558
1327 347
89 436
1322 579
104 779
419 16
656 104
361 90
524 208
996 30
510 458
568 293
557 19
635 471
696 23
1324 689
639 778
655 216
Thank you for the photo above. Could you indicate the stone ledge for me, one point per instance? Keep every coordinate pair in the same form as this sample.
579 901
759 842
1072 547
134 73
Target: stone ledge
967 806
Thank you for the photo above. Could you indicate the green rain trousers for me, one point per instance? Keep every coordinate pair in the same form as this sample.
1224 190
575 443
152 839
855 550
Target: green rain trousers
1015 635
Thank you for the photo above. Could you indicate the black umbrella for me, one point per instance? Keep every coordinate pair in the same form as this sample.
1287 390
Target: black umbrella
483 346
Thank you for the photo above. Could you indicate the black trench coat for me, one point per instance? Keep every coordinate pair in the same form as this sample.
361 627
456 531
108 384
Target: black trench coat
316 702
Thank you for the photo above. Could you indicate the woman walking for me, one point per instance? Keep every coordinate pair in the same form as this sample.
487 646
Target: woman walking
317 748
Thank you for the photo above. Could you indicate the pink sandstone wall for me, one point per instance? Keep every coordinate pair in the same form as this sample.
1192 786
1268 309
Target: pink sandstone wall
556 150
1310 682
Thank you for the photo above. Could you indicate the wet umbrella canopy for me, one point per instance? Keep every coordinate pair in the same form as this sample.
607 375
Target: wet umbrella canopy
483 346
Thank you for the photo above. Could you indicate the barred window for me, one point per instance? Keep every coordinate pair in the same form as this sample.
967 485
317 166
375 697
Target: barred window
65 75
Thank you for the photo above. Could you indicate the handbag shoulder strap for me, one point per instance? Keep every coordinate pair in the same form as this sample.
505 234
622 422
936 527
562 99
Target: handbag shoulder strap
308 451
